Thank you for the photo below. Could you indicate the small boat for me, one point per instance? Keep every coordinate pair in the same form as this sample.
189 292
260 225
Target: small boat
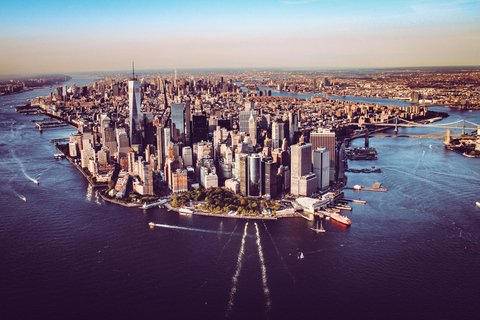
478 203
300 255
36 182
151 224
318 230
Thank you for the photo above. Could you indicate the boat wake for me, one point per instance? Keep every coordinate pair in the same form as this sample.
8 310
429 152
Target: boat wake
279 255
241 253
190 229
266 290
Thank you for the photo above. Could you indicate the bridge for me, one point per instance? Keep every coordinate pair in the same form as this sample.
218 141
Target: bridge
444 134
394 122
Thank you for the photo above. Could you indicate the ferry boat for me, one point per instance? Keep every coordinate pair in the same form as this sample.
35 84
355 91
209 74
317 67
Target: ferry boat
341 218
185 211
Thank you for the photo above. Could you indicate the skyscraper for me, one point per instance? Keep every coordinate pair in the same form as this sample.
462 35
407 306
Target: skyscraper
252 129
278 133
321 167
325 139
134 106
303 181
177 129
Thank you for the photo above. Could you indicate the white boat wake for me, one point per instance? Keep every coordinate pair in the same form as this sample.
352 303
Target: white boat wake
266 290
241 253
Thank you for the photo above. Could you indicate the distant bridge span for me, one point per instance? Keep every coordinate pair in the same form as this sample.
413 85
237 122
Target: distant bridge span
394 122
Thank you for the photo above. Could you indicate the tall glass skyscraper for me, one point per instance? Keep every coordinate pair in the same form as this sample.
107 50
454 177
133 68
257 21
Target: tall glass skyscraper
177 129
134 106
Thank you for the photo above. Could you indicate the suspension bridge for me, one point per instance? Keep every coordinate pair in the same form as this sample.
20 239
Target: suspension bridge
444 134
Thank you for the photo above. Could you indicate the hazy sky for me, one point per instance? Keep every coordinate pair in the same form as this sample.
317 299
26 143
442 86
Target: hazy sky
66 36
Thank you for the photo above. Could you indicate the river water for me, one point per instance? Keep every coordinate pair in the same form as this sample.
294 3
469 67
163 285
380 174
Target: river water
411 253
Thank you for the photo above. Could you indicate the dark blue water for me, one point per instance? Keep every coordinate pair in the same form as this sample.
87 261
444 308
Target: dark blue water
411 253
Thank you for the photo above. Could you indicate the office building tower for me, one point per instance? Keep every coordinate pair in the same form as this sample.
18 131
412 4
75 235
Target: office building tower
160 146
87 154
179 181
244 117
252 129
148 128
278 133
73 149
254 176
321 167
134 106
199 128
187 156
325 139
177 128
109 140
243 165
303 181
293 126
270 170
188 124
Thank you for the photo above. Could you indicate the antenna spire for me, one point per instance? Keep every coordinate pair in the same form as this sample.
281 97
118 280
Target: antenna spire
133 69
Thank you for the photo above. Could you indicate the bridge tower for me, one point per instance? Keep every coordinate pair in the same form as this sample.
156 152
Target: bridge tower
447 138
396 127
366 138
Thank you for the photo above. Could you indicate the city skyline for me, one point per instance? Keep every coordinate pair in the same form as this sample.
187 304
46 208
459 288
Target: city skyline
56 37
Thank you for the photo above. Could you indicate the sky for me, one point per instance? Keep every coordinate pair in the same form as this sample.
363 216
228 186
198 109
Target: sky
75 36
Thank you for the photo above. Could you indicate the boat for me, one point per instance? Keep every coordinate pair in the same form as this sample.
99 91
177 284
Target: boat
341 218
317 230
151 224
36 182
184 211
478 203
300 255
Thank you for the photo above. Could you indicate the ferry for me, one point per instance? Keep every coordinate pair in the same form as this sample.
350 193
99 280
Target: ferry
341 218
184 211
59 156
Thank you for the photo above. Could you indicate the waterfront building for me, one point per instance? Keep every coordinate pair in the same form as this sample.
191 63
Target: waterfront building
179 181
134 108
269 170
102 156
73 149
232 185
86 155
321 167
254 176
325 139
302 176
